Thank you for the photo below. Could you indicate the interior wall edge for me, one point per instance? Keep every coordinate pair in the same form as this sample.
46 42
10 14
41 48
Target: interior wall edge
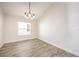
1 27
18 40
61 47
1 45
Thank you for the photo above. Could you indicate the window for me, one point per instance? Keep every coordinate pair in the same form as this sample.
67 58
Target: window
24 28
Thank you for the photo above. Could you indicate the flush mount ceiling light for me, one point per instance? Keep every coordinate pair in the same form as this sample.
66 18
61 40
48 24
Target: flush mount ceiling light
29 15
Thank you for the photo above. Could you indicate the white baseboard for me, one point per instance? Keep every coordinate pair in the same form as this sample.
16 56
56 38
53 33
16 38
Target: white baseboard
77 54
1 45
72 52
18 40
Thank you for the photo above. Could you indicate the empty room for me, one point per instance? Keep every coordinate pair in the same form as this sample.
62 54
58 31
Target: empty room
39 29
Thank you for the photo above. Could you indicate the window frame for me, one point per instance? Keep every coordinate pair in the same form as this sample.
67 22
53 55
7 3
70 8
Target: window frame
20 28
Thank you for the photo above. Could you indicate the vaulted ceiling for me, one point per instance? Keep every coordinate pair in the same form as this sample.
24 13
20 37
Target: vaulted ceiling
18 8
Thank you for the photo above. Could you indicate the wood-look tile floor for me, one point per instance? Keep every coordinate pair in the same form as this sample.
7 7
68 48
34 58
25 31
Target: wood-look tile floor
32 48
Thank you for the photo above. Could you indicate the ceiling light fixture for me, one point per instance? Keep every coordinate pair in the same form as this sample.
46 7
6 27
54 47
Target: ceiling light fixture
29 15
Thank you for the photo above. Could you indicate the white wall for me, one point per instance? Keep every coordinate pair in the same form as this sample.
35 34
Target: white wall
1 28
56 26
11 29
73 14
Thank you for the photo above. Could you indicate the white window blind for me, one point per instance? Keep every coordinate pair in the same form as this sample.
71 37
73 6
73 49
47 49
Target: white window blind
24 28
